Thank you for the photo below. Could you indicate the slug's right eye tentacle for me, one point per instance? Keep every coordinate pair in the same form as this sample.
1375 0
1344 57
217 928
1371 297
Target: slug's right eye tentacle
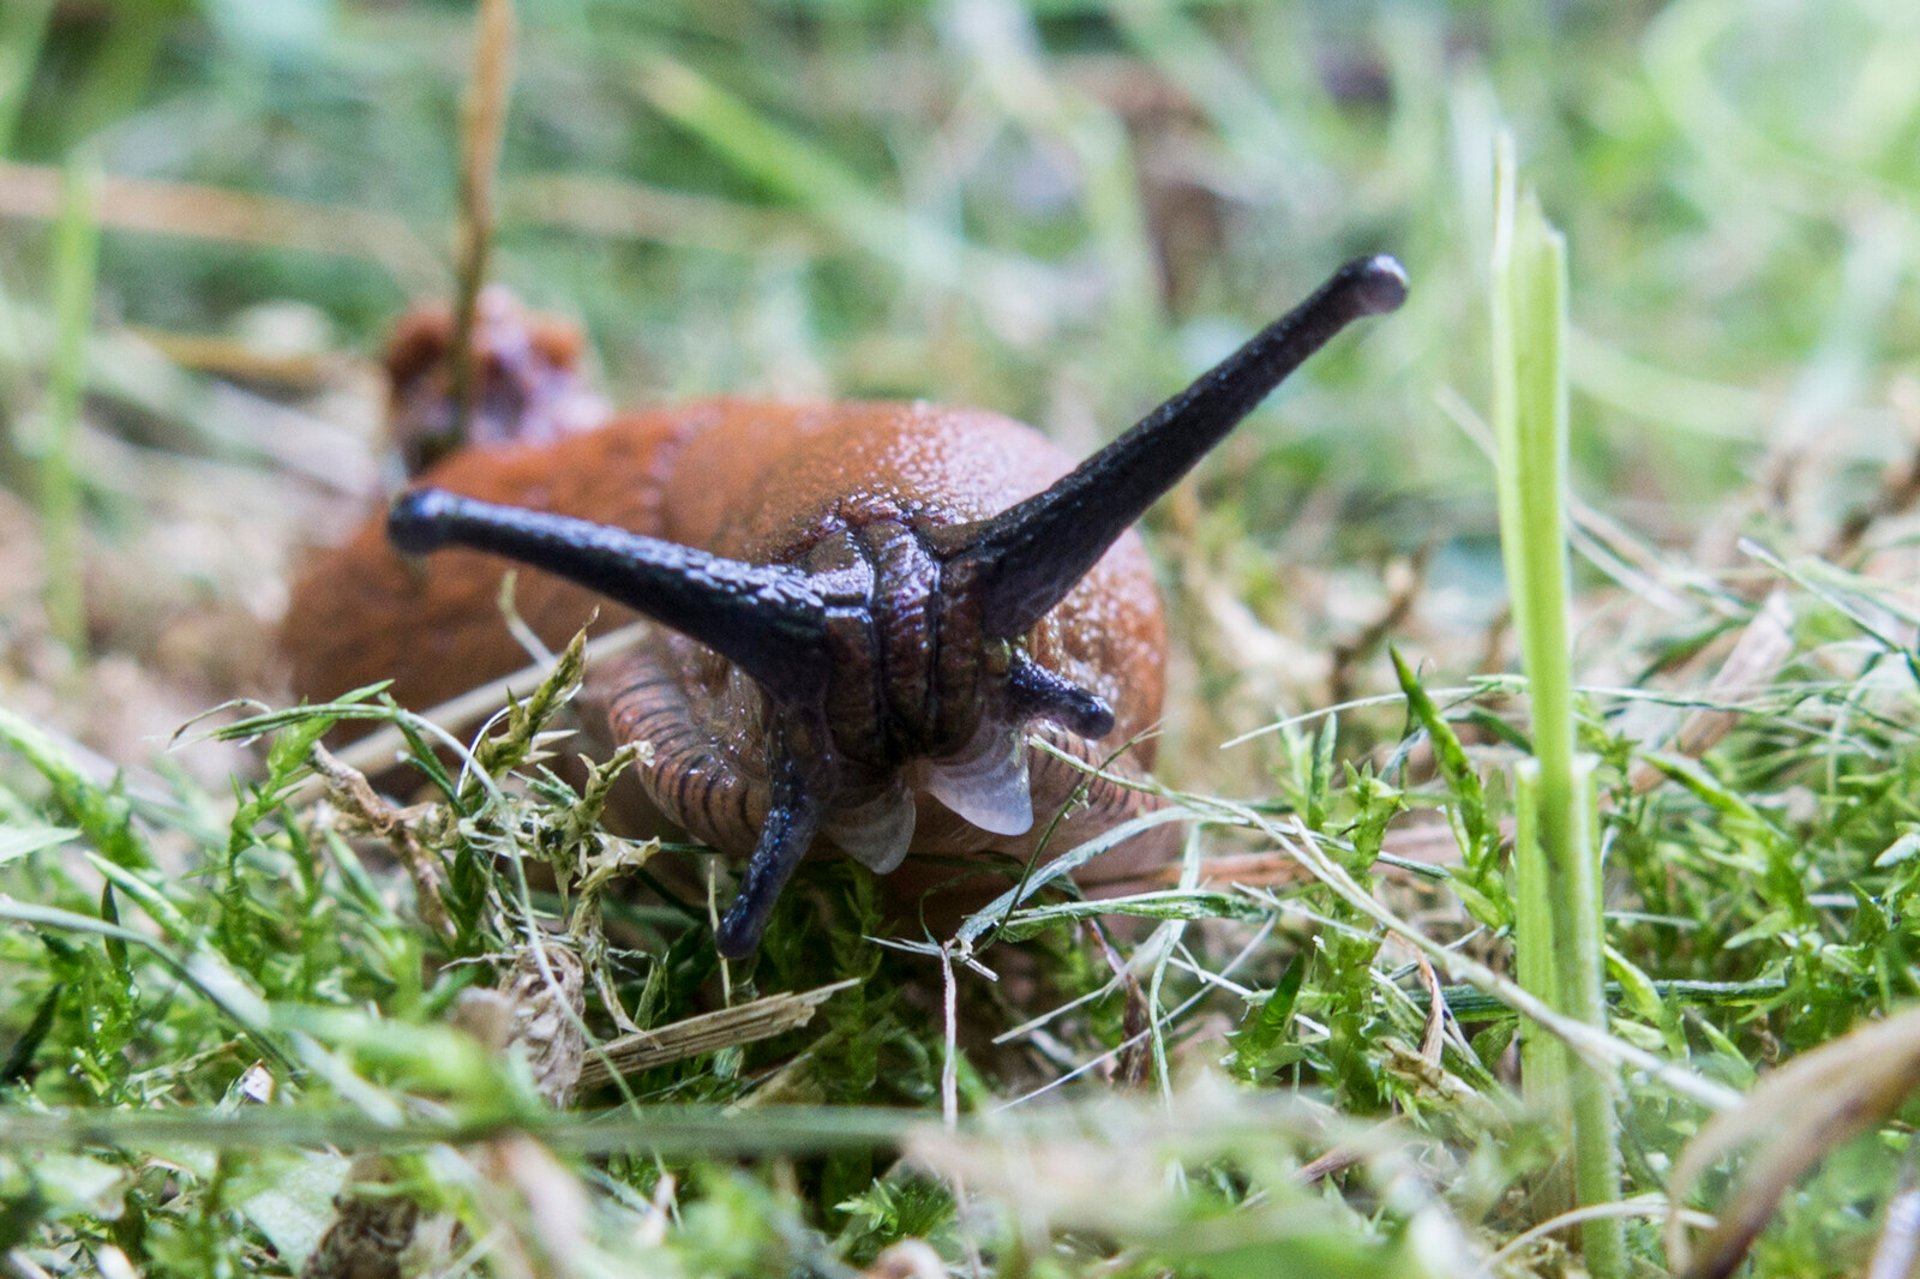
1029 556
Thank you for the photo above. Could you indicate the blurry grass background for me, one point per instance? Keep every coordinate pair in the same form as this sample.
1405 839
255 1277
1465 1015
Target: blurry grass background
1062 210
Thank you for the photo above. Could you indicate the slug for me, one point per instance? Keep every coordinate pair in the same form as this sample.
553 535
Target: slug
864 609
526 377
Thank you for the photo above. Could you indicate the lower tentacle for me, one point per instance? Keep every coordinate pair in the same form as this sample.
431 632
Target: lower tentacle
799 800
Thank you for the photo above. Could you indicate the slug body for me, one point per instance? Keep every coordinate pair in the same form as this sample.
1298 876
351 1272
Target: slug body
865 608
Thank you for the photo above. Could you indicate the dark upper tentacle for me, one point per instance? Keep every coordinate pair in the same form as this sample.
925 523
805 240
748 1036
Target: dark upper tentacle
767 619
1029 556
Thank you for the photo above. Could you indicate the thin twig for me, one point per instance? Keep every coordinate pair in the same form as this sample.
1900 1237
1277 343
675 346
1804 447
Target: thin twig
709 1032
354 796
950 1041
482 130
1640 1206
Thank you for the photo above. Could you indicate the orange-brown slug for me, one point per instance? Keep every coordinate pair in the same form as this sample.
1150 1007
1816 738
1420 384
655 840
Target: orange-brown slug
864 608
526 375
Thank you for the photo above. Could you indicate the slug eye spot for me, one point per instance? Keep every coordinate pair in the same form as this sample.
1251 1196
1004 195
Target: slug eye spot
416 523
1379 285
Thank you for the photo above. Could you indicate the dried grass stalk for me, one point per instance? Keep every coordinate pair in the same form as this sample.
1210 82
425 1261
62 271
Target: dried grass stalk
709 1032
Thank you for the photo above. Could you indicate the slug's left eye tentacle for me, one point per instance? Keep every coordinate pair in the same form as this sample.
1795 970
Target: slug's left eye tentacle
800 796
768 619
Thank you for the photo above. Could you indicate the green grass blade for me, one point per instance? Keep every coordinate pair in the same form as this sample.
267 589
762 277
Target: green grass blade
1559 932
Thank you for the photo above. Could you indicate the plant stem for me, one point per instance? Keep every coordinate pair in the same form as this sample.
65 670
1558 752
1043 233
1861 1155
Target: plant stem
483 129
1559 936
1544 1060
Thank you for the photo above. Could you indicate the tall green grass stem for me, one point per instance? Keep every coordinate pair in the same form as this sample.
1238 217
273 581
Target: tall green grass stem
1558 932
1545 1061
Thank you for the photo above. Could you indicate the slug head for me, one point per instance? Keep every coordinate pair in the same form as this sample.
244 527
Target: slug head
528 388
889 648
